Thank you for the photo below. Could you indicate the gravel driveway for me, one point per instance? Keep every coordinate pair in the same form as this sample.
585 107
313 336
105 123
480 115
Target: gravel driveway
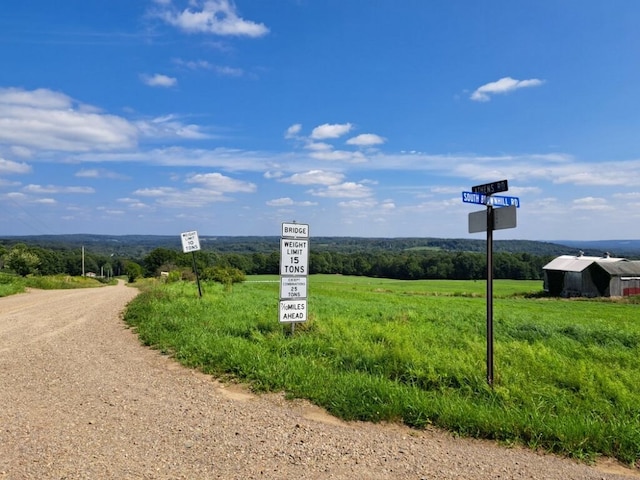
80 398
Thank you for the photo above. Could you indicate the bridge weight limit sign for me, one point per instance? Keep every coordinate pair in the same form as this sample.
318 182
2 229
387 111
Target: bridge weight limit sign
294 268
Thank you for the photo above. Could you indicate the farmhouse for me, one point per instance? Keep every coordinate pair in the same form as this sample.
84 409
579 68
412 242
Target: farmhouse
584 276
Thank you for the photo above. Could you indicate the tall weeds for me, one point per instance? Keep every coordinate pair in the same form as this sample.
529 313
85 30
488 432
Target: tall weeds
566 372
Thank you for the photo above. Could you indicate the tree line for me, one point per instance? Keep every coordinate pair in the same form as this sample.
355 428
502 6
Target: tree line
408 265
413 265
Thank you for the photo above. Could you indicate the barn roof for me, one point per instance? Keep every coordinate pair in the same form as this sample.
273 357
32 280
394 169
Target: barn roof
571 263
630 268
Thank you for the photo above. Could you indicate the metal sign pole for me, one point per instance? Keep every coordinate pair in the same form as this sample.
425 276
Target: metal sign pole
493 219
195 270
490 226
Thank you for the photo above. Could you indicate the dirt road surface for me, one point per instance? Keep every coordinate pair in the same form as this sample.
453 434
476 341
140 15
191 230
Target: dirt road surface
80 398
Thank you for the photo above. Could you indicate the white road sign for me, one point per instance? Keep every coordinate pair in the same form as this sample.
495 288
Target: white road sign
295 230
293 287
293 311
294 257
190 242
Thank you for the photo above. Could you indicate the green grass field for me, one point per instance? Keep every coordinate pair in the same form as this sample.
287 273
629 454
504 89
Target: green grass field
566 371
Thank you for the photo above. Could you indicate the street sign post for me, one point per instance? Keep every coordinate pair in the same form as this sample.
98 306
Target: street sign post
500 213
294 268
191 243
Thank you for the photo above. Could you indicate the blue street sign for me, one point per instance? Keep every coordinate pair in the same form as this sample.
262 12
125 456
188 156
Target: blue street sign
498 201
493 200
471 197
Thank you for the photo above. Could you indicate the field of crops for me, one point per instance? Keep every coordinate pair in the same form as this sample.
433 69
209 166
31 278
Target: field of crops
566 371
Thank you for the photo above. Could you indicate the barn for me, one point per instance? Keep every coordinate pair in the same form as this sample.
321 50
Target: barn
585 276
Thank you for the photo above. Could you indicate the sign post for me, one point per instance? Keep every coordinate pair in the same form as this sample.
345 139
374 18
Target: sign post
191 243
294 270
500 213
490 221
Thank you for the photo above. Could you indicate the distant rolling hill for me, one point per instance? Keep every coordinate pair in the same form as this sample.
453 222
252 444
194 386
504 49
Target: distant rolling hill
137 246
617 248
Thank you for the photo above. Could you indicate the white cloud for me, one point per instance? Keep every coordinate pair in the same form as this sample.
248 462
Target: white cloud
504 85
155 192
159 80
218 17
327 130
176 156
288 202
339 156
167 127
134 203
227 71
628 195
366 140
222 70
221 183
47 120
6 183
343 190
49 189
368 203
11 167
39 98
194 198
315 177
21 152
591 203
280 202
318 146
176 198
272 175
293 131
99 173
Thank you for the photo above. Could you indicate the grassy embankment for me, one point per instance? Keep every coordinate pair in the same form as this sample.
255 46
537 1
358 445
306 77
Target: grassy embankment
12 284
566 371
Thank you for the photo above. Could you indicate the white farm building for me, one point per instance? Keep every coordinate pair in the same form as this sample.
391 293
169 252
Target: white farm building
584 276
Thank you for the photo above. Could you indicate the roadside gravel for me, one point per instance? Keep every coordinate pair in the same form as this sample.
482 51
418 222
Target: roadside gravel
80 398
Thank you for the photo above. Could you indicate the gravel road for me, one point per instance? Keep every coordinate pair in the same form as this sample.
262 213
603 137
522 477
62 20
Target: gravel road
80 398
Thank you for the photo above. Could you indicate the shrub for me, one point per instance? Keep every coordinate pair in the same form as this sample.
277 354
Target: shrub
224 275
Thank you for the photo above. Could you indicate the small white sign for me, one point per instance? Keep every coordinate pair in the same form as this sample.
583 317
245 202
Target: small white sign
190 242
293 287
293 311
294 257
295 230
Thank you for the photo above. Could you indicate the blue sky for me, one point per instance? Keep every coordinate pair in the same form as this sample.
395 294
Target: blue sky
358 117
